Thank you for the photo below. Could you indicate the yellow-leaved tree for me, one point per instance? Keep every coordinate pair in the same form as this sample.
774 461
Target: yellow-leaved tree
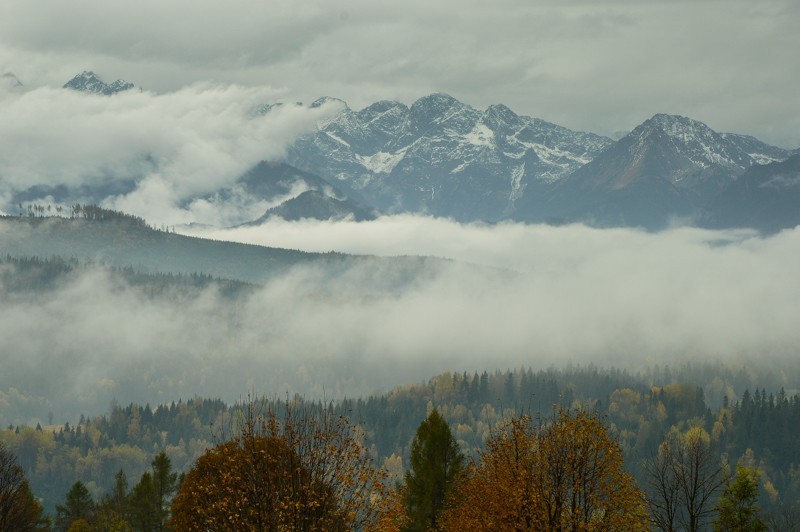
297 471
563 475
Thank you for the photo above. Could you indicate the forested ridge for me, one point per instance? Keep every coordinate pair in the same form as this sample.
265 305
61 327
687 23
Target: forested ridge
31 275
640 410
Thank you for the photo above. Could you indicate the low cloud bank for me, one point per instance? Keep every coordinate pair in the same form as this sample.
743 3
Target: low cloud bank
148 154
517 295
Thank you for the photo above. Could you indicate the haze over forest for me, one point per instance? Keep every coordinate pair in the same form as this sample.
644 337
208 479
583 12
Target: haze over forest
523 215
173 150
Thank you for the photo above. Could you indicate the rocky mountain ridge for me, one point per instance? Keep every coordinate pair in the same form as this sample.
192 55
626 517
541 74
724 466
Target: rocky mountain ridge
442 157
668 167
88 81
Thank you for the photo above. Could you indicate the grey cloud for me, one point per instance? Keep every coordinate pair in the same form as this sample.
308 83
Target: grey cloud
518 295
174 146
598 66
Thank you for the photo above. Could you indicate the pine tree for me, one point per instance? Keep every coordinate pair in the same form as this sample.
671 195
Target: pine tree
435 461
78 506
151 498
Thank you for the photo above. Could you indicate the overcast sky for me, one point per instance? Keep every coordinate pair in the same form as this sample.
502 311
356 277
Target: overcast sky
601 66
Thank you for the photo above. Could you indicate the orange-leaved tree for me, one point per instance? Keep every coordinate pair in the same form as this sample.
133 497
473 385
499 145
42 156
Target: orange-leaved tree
297 471
563 475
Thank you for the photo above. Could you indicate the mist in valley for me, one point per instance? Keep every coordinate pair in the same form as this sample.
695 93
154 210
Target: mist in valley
513 295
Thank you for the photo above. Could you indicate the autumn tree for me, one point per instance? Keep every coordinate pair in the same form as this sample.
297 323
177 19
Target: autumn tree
737 508
436 459
563 475
295 472
19 509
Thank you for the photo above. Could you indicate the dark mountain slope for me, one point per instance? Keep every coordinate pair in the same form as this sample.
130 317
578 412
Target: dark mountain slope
315 205
127 243
766 197
669 166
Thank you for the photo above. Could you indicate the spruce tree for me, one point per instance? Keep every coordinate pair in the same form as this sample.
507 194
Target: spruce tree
435 461
78 506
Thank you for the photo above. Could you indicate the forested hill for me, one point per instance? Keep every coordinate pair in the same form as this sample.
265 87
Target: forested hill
32 276
756 426
124 241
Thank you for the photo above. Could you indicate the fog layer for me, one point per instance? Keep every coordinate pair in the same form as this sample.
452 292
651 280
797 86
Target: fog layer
518 295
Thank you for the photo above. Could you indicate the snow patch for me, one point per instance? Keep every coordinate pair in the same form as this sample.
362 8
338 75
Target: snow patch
761 158
480 135
381 162
337 139
516 182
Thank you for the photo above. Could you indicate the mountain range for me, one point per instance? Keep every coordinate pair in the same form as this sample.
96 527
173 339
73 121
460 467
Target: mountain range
444 158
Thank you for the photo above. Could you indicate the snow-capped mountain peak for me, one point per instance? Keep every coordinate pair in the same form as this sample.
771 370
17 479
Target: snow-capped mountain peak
88 81
440 155
701 145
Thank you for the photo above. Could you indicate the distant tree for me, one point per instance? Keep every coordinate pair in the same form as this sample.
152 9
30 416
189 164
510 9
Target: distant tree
737 510
151 498
118 499
19 509
436 460
565 475
113 513
165 484
77 505
144 504
684 479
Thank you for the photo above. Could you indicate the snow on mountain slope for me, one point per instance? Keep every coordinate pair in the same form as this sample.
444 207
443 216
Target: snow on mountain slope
443 157
669 166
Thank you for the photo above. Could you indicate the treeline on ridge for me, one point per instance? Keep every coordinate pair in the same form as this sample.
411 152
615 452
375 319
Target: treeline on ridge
31 275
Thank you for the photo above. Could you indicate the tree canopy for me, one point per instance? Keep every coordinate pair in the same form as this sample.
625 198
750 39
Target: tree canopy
563 475
297 472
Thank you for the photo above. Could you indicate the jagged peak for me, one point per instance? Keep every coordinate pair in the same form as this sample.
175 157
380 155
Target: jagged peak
665 120
383 106
437 99
675 126
669 122
88 81
322 100
500 114
87 74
